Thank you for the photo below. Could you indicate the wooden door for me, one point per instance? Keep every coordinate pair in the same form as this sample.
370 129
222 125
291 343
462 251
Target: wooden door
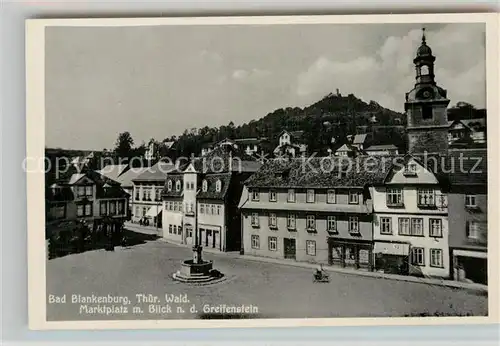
290 248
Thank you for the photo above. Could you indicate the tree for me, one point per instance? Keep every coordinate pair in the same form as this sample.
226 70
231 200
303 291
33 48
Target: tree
123 146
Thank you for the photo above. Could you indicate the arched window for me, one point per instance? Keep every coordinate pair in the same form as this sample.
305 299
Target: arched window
169 185
424 70
178 185
218 186
204 186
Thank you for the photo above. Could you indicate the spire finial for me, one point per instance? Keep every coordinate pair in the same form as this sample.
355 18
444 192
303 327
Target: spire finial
423 35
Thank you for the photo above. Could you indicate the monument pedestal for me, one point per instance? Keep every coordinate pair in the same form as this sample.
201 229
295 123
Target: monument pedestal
195 270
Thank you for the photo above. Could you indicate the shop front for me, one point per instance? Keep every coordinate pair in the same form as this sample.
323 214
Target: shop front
391 257
355 254
470 266
210 237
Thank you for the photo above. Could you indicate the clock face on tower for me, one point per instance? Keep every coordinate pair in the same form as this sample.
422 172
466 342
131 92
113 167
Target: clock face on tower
426 94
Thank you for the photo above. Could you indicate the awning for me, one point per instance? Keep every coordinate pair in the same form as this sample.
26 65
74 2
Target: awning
154 211
400 249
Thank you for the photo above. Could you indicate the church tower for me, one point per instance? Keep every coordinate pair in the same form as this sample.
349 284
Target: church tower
425 106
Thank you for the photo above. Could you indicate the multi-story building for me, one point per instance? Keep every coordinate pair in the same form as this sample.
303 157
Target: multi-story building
410 229
148 186
200 199
249 146
467 215
291 143
83 194
315 210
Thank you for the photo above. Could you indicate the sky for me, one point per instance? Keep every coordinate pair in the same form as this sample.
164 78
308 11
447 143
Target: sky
157 81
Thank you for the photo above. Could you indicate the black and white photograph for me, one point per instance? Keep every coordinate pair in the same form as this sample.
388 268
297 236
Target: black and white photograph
275 168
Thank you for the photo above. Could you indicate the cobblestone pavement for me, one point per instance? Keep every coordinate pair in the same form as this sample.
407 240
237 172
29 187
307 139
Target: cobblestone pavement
274 290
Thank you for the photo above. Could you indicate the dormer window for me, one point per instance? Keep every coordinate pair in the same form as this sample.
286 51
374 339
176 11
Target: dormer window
169 185
178 185
410 169
218 186
204 186
255 195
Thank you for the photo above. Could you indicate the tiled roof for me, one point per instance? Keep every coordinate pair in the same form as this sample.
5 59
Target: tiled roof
211 180
173 192
321 172
474 169
158 172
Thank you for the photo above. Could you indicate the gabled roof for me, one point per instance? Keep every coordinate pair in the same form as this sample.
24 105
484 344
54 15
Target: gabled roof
297 135
346 147
359 139
126 178
114 171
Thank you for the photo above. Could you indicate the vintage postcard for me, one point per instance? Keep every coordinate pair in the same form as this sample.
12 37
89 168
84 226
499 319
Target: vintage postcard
262 171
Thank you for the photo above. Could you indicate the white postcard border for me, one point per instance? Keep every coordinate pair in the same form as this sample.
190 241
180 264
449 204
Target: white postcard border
35 132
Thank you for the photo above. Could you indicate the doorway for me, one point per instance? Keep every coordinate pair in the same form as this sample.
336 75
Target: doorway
290 248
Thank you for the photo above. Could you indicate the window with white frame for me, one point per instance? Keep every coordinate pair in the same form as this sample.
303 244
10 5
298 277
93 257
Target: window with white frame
255 195
331 223
331 196
470 201
404 226
157 194
311 247
291 195
80 191
436 258
425 197
89 191
385 225
474 230
178 185
272 196
218 186
170 229
353 224
310 198
255 219
394 197
255 241
169 185
219 208
417 256
417 227
137 194
272 220
202 208
435 228
353 197
88 209
212 209
410 169
204 186
310 222
273 243
290 221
